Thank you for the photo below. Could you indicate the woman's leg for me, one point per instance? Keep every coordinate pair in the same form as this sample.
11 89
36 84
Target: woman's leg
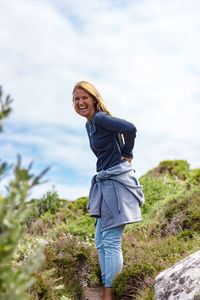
108 244
113 259
100 249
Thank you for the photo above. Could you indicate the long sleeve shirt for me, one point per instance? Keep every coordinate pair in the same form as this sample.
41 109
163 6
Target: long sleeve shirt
110 139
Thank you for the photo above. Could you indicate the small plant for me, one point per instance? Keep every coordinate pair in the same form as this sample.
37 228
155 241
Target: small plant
5 107
174 168
194 177
14 279
50 202
72 264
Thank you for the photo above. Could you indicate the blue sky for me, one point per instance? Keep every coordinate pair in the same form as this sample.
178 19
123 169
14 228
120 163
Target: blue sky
143 56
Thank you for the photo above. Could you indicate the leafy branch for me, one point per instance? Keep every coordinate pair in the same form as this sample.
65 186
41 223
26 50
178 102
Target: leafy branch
5 107
15 280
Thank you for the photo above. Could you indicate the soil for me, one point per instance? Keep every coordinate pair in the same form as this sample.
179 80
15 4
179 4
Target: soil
94 293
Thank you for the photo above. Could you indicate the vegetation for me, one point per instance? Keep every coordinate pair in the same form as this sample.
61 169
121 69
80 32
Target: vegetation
71 261
170 231
15 278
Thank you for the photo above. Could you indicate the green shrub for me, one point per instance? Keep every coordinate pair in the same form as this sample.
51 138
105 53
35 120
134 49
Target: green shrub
194 177
173 168
47 287
180 213
83 226
155 190
15 278
170 232
158 191
79 205
132 279
74 263
145 257
49 202
77 219
5 108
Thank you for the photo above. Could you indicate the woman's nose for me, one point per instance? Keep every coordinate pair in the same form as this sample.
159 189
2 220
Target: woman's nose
80 101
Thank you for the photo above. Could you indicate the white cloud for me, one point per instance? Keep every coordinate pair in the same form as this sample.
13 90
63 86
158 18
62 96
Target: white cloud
142 56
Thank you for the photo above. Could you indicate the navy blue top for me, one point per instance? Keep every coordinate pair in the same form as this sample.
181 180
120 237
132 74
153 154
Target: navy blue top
110 139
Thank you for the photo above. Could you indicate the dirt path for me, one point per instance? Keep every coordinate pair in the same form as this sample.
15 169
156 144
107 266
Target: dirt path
93 293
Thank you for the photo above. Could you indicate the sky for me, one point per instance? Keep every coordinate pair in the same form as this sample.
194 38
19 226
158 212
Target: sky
142 56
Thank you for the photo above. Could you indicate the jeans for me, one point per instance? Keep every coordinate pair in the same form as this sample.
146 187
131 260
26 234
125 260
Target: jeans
108 244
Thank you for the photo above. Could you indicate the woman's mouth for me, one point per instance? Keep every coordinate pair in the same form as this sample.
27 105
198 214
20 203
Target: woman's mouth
83 109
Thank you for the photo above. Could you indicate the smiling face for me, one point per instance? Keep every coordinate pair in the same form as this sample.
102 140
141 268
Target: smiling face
84 103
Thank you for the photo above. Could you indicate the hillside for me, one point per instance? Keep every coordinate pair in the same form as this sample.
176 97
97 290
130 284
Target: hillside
170 230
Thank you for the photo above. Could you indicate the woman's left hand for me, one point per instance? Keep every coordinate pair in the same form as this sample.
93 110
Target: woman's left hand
127 158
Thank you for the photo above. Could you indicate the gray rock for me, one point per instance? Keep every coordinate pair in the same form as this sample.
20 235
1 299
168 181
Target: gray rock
181 281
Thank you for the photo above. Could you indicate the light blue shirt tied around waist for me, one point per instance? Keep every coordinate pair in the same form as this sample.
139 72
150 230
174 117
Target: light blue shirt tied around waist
116 196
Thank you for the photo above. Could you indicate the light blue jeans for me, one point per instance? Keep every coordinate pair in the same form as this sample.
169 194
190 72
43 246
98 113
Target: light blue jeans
108 244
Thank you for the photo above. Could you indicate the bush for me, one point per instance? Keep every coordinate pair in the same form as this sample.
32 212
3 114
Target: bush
72 263
14 279
158 191
180 213
173 168
194 177
170 233
49 202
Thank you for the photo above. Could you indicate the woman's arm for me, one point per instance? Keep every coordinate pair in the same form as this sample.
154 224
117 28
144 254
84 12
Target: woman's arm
119 126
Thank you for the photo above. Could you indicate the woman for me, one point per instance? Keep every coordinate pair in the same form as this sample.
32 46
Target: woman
115 195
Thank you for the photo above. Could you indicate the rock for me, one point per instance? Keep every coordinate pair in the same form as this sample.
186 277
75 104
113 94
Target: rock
181 281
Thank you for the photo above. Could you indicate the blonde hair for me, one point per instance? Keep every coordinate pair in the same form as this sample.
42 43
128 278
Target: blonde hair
90 89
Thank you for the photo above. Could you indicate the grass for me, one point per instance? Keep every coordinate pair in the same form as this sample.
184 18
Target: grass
170 231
